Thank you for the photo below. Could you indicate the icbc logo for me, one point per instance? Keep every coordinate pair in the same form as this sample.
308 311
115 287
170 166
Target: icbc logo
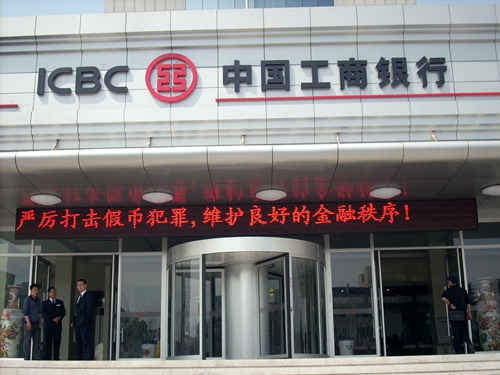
171 77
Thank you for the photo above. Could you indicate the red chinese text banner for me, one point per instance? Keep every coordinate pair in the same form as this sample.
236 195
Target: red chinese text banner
255 219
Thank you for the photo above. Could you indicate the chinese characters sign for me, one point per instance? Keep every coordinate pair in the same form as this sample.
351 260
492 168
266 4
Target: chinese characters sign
275 74
256 219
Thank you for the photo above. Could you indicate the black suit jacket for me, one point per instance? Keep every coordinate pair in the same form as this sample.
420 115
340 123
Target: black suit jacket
84 310
50 311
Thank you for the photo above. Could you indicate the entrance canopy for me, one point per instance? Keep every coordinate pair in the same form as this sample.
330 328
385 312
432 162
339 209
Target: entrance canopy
234 174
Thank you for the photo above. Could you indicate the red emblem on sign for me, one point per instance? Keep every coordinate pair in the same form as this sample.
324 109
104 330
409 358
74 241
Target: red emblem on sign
172 72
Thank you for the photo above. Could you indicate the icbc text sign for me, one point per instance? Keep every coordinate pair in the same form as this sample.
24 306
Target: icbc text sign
255 219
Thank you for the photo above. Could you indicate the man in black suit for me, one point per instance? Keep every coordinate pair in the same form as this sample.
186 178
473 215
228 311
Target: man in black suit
53 312
82 321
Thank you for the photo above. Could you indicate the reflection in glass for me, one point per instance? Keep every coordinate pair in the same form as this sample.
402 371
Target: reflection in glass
76 246
322 308
353 314
483 275
209 4
9 245
305 307
169 311
407 288
414 239
140 244
213 334
14 287
187 308
194 4
226 4
272 309
140 306
487 234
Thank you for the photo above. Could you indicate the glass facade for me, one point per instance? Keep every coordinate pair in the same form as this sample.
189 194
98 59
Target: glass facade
383 299
140 308
352 303
244 4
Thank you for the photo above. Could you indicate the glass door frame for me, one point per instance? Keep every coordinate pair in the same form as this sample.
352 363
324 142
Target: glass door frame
202 315
330 324
36 258
462 280
223 310
285 258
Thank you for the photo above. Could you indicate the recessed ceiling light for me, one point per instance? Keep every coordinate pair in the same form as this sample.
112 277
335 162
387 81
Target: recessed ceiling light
45 199
385 192
271 195
492 190
157 197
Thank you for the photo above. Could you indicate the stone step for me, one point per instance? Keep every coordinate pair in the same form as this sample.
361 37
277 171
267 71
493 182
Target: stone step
479 363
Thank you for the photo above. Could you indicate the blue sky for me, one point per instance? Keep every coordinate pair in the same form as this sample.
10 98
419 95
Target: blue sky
15 8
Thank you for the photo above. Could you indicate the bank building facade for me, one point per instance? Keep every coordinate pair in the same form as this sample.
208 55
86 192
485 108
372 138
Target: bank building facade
257 182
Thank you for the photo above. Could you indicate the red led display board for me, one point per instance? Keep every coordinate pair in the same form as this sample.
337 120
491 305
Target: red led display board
254 219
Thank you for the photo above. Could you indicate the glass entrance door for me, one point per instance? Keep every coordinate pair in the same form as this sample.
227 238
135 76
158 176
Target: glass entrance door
62 272
407 284
273 310
186 303
213 314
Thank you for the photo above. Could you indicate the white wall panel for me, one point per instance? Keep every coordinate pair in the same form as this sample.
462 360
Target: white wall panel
17 83
136 79
18 27
247 55
25 63
481 71
334 52
102 99
148 22
464 35
138 59
64 25
54 102
142 99
54 60
373 52
104 60
244 111
472 51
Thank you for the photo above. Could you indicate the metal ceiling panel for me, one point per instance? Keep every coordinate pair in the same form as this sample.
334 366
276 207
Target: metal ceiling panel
483 161
126 195
176 166
307 191
490 202
114 167
243 193
237 164
409 186
432 160
304 162
349 190
119 177
15 194
374 162
9 174
191 194
7 218
473 184
51 169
